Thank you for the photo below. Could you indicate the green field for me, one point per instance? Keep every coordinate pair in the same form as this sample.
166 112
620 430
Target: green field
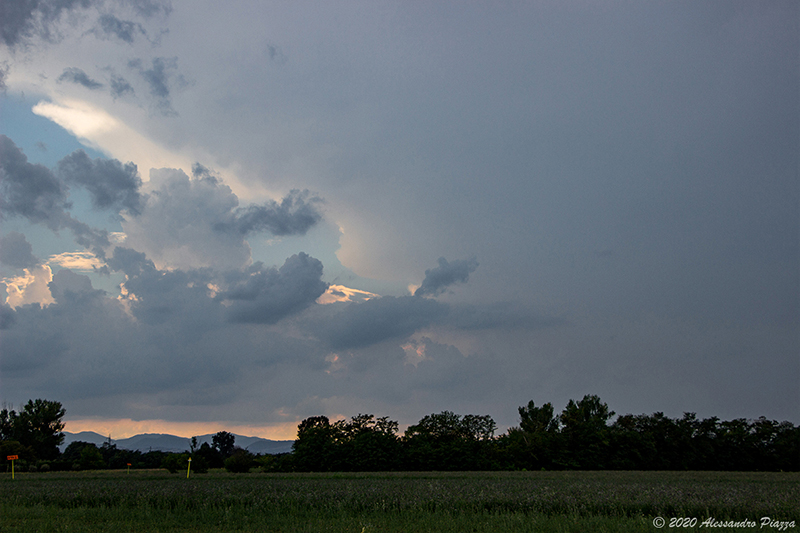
156 501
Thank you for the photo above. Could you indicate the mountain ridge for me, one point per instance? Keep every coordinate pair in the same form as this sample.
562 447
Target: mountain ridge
164 442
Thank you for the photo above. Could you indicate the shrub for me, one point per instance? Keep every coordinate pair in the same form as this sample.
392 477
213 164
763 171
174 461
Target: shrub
240 462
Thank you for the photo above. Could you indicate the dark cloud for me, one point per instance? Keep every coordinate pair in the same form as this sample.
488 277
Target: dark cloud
21 19
150 8
16 251
357 325
200 172
502 315
163 297
7 315
125 30
438 279
131 262
276 54
87 345
29 190
159 78
294 215
78 76
34 192
256 295
69 286
4 70
91 238
266 296
167 337
120 87
110 183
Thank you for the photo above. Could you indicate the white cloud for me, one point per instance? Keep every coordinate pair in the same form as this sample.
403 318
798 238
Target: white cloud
30 288
340 293
177 228
101 130
76 261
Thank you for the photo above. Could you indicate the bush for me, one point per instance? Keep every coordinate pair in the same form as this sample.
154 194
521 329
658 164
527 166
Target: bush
175 462
240 462
199 464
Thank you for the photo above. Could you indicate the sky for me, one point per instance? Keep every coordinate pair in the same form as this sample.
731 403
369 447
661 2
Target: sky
233 216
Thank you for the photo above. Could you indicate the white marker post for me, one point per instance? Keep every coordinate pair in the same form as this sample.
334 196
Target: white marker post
189 468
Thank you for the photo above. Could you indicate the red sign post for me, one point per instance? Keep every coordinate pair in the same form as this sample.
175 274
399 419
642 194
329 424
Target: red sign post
12 458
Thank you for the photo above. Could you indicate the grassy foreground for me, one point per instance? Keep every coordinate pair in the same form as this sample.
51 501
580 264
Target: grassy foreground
155 501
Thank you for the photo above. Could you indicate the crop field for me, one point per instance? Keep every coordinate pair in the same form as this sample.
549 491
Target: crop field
156 501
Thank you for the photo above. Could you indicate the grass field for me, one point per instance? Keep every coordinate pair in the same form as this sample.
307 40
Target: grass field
156 501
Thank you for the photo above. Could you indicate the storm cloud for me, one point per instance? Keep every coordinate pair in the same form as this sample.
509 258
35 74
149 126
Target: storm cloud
16 251
22 20
30 190
78 76
294 215
111 184
125 30
262 296
357 325
438 279
626 175
120 87
34 192
160 78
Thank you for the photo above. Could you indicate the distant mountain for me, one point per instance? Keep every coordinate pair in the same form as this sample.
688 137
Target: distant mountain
170 443
155 442
83 436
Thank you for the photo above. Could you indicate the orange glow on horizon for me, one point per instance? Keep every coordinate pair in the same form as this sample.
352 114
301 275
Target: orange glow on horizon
123 428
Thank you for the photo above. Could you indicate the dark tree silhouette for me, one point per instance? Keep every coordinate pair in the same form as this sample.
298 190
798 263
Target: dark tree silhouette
38 426
224 443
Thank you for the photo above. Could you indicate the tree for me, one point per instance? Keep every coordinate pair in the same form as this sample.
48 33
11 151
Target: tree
586 434
223 442
7 424
365 443
314 447
537 419
447 441
209 456
38 425
532 444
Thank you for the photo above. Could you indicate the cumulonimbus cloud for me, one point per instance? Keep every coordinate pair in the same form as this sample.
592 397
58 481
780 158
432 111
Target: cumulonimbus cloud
197 222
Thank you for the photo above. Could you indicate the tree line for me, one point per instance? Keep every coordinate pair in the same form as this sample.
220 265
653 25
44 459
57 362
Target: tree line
581 437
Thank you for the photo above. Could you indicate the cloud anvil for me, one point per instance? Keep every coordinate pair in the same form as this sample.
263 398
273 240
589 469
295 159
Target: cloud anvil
261 212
